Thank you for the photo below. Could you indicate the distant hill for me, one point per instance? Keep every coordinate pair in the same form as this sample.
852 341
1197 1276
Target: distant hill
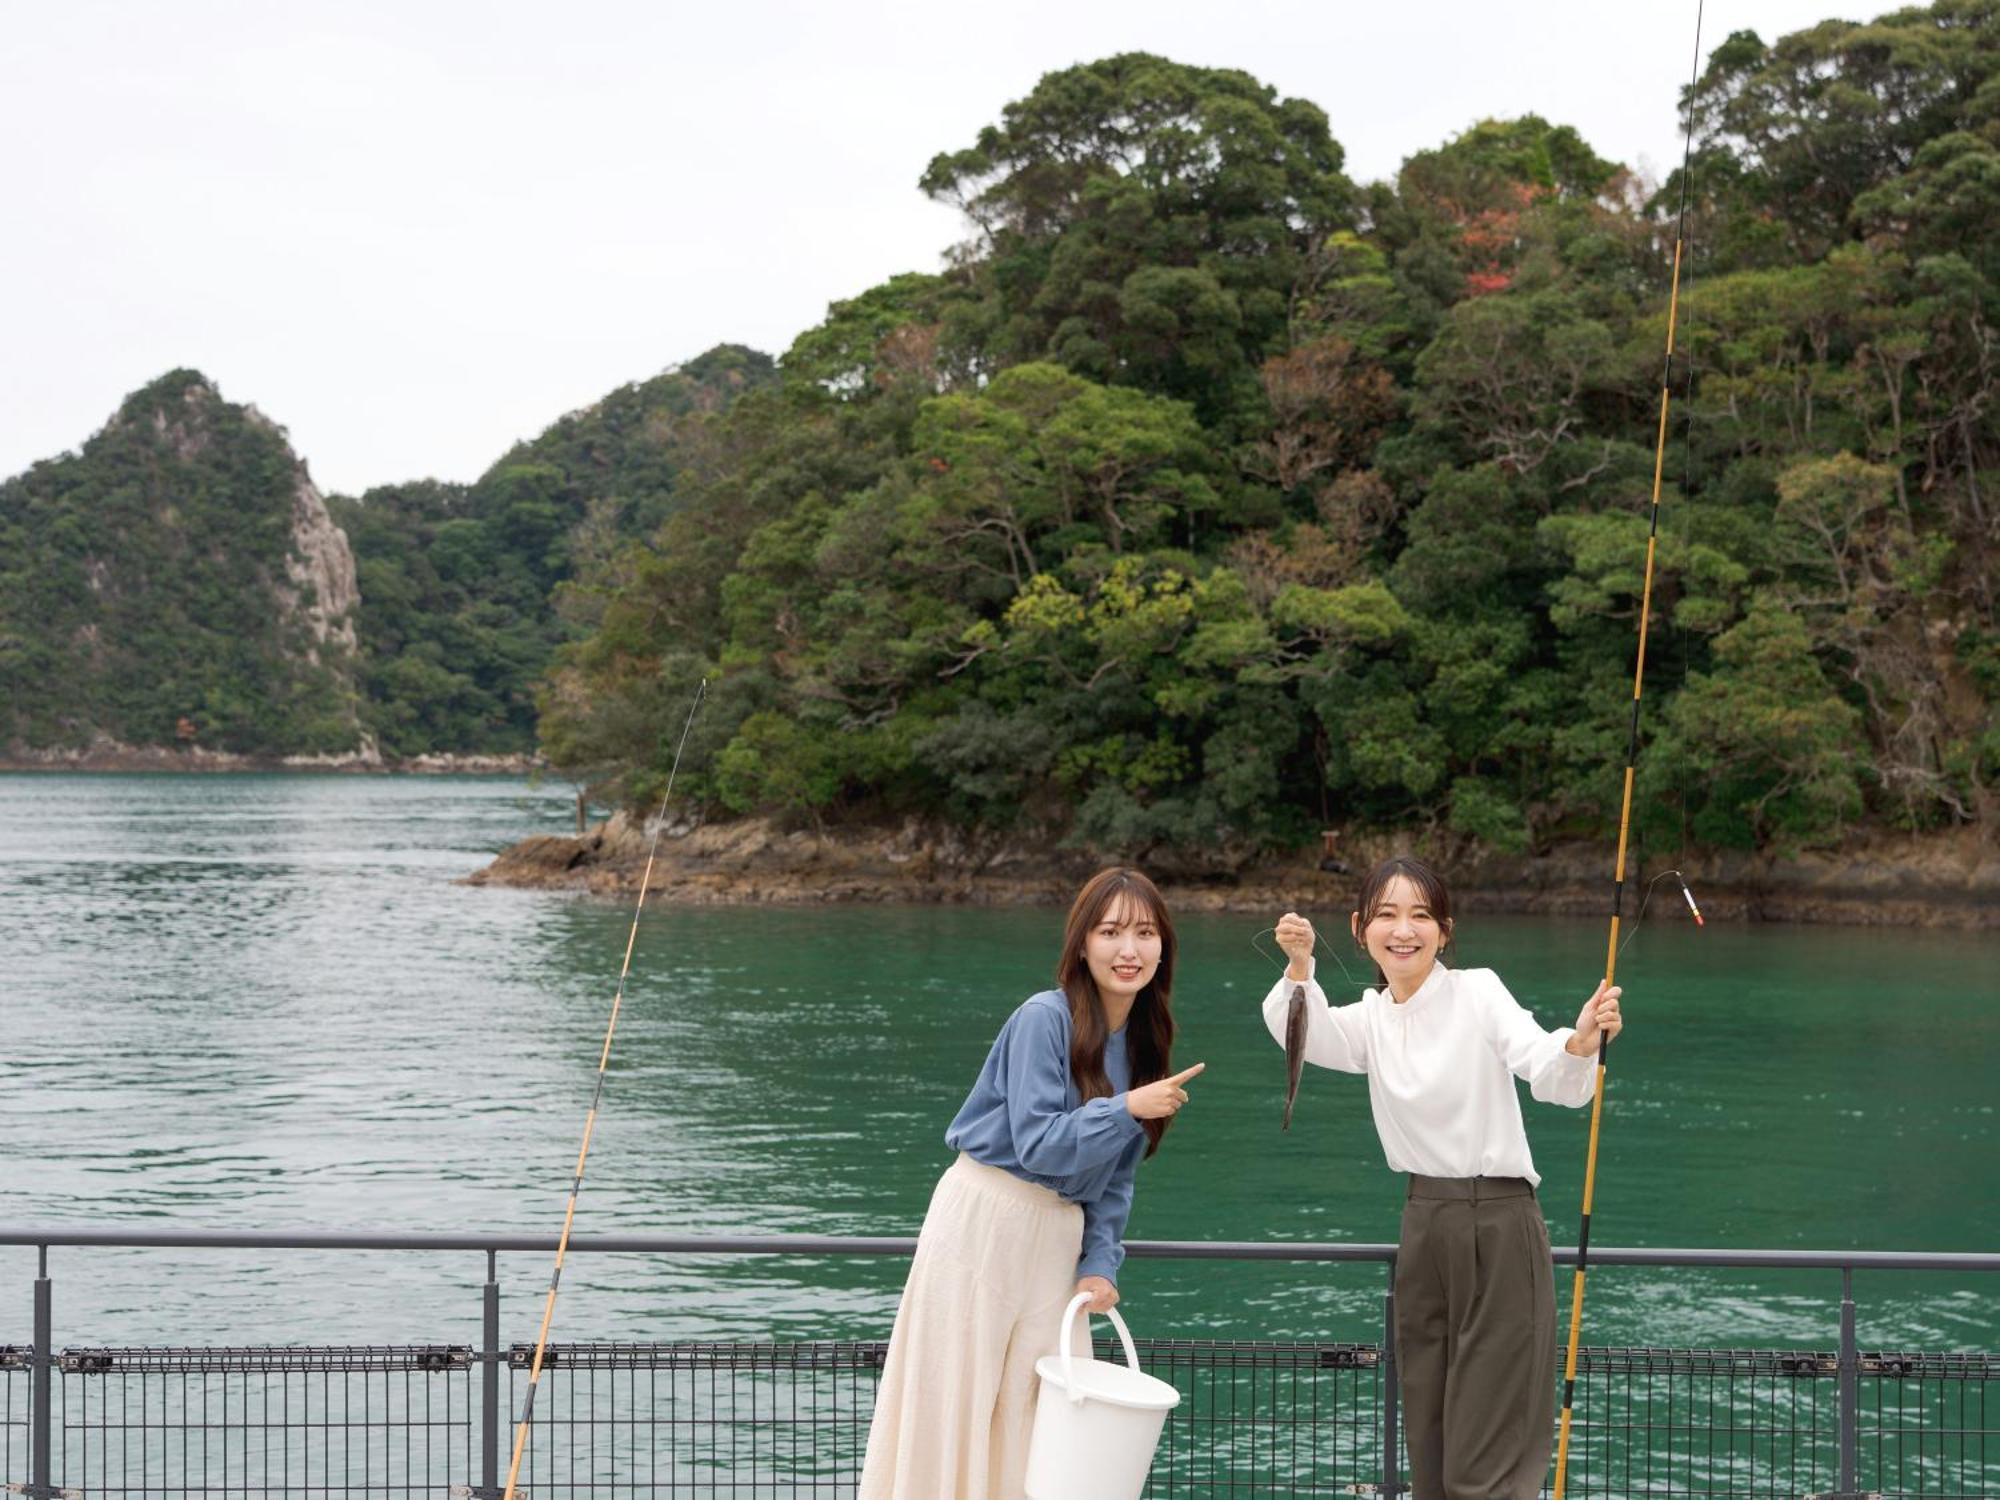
463 586
181 582
177 581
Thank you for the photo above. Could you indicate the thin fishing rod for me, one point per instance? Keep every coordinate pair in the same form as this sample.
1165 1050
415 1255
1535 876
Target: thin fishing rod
597 1096
1631 762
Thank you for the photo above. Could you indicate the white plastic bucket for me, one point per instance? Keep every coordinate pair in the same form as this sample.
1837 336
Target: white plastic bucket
1096 1424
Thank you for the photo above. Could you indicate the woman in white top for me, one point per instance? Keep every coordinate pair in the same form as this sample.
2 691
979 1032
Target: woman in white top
1475 1294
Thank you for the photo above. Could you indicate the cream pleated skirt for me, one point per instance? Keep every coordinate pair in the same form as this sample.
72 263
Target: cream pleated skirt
995 1264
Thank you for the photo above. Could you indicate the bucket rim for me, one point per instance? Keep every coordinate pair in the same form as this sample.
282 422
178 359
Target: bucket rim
1162 1397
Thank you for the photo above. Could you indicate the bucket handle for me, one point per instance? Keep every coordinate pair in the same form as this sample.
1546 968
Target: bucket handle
1076 1305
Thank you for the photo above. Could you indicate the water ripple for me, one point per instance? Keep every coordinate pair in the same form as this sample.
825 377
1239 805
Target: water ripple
261 1002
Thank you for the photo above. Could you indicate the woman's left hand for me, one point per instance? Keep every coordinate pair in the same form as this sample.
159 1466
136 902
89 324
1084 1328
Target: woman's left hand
1599 1013
1103 1295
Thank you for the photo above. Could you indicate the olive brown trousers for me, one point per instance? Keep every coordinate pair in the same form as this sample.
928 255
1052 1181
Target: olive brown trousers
1475 1338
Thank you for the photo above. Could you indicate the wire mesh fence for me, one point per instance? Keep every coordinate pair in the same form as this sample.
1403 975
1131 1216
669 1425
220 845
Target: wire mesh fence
13 1411
264 1421
713 1420
1724 1424
792 1419
1266 1418
1930 1424
707 1420
698 1419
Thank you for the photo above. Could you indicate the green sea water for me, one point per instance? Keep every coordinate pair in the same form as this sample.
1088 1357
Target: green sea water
263 1002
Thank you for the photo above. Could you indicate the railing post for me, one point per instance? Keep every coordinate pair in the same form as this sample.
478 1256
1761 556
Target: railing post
1850 1388
40 1376
1392 1480
489 1387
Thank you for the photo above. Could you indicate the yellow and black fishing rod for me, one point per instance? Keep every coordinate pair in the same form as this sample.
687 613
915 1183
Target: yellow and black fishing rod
1631 763
596 1098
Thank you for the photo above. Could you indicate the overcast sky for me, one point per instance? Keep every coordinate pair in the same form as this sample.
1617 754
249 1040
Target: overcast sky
414 231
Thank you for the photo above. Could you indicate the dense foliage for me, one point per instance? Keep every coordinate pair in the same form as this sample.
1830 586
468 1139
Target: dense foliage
146 592
460 584
1205 499
1209 498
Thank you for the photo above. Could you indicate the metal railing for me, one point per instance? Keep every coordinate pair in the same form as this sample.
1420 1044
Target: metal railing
791 1418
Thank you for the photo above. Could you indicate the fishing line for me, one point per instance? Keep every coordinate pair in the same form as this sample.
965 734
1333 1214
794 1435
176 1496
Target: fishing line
1631 761
1332 950
1640 915
597 1096
1280 962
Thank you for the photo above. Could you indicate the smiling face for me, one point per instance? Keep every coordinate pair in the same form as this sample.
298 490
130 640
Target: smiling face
1402 934
1122 949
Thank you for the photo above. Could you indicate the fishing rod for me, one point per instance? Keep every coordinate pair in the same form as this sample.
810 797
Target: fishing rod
1631 762
597 1096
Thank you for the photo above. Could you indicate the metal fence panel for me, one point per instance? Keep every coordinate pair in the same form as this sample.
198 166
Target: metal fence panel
789 1421
1723 1424
252 1422
781 1420
698 1419
13 1412
1930 1425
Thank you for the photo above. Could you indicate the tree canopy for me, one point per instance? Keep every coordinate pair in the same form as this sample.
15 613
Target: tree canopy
1206 498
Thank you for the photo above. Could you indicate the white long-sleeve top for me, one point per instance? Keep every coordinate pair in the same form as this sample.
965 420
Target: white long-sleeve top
1441 1068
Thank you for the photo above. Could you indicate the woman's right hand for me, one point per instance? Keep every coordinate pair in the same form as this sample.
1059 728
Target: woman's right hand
1161 1099
1295 936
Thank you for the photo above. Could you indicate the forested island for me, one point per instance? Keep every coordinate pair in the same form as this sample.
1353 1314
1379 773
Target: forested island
1206 502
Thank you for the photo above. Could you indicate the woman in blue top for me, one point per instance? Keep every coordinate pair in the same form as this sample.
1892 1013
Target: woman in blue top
1073 1093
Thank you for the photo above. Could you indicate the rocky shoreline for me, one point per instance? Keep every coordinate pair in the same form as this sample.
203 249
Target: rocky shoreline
1942 881
1947 880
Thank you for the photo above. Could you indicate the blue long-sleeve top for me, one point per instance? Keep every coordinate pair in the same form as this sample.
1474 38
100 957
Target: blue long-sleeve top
1024 1116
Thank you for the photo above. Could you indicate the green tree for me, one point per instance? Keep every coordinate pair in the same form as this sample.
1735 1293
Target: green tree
1204 501
1761 751
1144 222
1794 135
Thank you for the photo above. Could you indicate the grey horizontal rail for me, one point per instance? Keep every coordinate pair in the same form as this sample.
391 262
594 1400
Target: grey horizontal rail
124 1237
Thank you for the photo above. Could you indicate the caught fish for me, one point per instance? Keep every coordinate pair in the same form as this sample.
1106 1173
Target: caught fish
1295 1047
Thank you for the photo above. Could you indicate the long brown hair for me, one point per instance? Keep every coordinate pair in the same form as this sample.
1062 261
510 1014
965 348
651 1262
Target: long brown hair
1149 1030
1430 888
